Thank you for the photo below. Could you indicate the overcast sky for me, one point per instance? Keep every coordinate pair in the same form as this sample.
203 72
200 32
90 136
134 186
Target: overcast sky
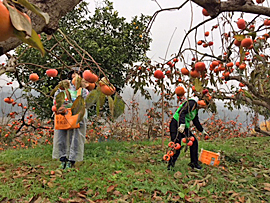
169 24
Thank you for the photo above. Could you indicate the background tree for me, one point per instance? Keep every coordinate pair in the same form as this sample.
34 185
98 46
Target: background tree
112 42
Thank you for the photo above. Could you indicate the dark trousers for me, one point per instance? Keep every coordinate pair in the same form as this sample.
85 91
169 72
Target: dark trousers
176 137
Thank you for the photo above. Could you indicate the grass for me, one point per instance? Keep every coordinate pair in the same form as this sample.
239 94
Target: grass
134 172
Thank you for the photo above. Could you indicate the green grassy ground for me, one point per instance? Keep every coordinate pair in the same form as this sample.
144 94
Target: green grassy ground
134 172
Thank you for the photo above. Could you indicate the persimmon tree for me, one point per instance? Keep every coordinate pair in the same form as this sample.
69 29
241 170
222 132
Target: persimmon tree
237 70
104 43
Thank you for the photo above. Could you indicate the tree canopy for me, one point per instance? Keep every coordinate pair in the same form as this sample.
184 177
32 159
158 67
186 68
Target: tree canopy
103 42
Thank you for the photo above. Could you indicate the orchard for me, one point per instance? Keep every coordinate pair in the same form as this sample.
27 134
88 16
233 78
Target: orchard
223 56
236 72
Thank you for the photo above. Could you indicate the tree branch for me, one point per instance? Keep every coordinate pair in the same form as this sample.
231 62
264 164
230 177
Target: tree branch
55 9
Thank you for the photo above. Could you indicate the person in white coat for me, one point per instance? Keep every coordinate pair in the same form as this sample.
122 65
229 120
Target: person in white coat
68 145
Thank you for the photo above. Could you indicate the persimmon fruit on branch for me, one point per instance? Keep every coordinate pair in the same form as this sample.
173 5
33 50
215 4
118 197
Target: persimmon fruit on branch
5 23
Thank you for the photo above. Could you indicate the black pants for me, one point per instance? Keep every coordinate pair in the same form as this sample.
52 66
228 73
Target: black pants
176 137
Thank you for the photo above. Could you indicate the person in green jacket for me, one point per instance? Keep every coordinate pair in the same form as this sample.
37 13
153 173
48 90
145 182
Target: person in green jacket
180 128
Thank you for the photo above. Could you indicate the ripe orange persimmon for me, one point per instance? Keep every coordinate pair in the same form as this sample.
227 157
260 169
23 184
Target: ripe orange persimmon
215 63
201 103
184 71
190 143
200 66
242 66
158 74
259 1
91 86
177 146
247 42
184 140
192 139
194 74
166 157
237 43
89 76
171 144
204 12
266 22
241 84
33 77
206 34
170 153
180 91
51 72
241 24
6 26
105 89
230 64
175 60
8 100
54 109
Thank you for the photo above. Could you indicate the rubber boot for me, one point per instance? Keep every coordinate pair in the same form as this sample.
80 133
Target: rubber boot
63 165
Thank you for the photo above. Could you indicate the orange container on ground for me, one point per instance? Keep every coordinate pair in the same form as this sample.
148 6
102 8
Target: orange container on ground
209 158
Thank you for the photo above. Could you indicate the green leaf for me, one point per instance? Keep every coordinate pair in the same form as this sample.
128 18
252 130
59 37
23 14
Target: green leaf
34 9
247 94
119 106
91 98
34 40
212 79
259 57
81 115
60 99
239 37
102 100
19 21
198 85
242 54
78 105
55 89
78 81
111 105
182 195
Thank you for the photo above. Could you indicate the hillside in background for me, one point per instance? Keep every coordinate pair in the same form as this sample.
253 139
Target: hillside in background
128 96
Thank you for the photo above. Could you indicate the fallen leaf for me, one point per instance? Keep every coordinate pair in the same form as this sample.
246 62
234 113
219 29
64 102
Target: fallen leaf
177 174
50 184
117 193
111 188
148 171
116 172
266 184
81 195
267 188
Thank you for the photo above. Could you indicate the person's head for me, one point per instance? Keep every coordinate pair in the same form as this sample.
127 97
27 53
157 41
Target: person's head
71 74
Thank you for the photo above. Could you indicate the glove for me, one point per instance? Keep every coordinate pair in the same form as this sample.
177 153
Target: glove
181 128
205 133
62 110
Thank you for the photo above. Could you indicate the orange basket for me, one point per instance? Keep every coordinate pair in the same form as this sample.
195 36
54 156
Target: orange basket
209 158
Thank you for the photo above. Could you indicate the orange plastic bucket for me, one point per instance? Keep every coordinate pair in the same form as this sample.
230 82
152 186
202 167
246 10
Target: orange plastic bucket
209 158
